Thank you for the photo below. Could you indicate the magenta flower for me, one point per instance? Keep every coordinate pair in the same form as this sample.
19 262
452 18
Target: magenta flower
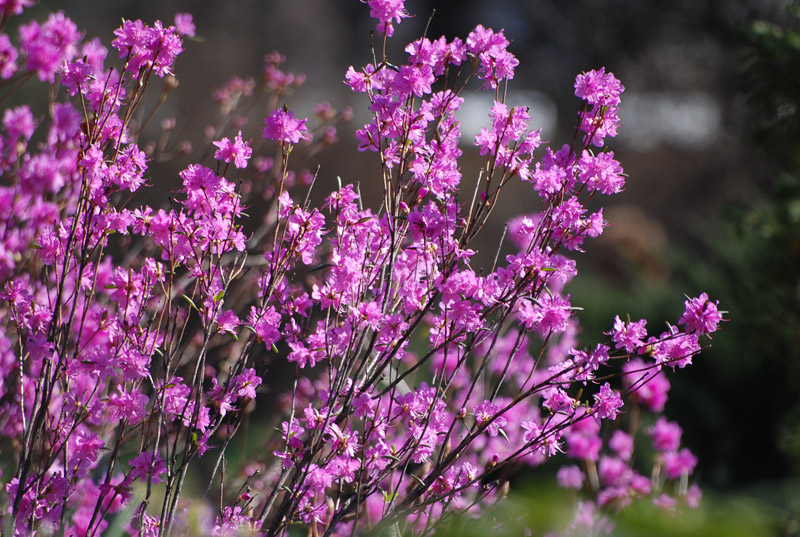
282 127
238 151
607 402
674 348
144 46
666 502
14 7
570 477
141 467
184 24
265 324
385 11
227 322
48 45
8 58
131 406
666 435
678 463
613 472
84 449
344 442
601 172
487 412
622 443
599 87
246 383
19 123
629 336
701 315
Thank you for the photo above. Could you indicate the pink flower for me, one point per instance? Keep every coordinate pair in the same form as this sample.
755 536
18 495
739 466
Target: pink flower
622 444
8 58
701 315
141 467
265 323
601 172
127 405
145 46
19 123
607 402
184 24
651 384
385 11
344 442
227 322
674 348
487 412
245 384
665 501
85 446
693 496
14 7
238 152
679 463
597 87
282 126
49 45
666 435
570 477
630 335
548 316
613 472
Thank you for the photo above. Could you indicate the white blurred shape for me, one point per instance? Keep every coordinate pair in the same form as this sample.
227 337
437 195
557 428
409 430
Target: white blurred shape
684 120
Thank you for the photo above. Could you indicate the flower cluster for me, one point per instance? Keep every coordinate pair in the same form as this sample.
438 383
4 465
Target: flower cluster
136 338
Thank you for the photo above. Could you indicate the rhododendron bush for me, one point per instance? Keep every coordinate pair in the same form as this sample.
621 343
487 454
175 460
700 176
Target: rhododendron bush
136 338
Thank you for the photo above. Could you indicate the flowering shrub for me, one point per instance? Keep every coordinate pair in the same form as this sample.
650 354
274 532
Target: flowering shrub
135 337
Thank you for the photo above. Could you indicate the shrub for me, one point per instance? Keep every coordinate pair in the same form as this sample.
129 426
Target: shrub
135 337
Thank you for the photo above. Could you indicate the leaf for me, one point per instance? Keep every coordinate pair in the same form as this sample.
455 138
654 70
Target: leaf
191 303
503 434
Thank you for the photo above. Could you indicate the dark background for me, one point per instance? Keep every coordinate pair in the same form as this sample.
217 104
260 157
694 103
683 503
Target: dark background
708 144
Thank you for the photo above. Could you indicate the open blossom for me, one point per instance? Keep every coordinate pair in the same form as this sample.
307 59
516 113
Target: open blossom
599 87
8 58
14 7
629 336
607 402
570 477
666 435
674 348
677 463
184 24
496 62
227 322
487 412
651 384
246 383
143 465
265 324
701 315
148 46
386 11
282 126
601 172
238 151
48 45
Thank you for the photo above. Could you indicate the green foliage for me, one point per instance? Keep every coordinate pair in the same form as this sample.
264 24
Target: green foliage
541 509
771 84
